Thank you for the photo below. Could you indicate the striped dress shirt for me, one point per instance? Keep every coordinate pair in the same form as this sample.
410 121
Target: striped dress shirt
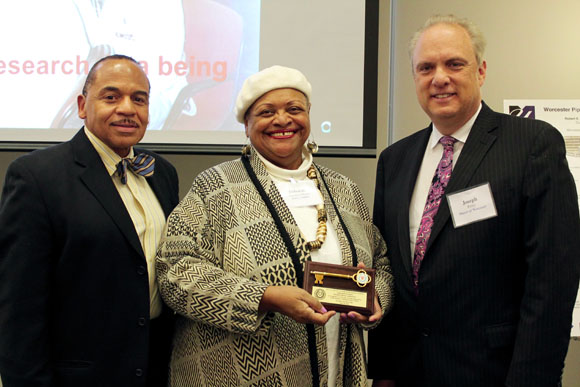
144 209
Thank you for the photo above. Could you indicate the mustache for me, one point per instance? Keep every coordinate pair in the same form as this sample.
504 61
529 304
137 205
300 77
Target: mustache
126 122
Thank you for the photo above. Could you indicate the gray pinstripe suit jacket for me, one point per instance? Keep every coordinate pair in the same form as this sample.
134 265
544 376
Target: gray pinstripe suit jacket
496 296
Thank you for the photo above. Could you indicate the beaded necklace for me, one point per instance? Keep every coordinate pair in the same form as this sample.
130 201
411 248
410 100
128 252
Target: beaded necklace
321 215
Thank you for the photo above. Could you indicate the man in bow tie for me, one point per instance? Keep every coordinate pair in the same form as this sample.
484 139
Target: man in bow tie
80 223
480 215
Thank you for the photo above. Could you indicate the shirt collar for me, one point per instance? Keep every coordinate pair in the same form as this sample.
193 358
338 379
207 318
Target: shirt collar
460 135
109 157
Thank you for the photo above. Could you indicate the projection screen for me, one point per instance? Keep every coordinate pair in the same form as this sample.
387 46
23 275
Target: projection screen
196 54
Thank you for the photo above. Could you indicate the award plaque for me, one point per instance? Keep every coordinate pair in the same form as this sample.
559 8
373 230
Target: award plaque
341 288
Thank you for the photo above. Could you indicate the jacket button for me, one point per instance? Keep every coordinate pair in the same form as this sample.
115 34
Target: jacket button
141 270
142 321
138 372
426 332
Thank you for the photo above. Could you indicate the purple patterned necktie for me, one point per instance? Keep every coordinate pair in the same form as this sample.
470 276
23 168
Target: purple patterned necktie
438 184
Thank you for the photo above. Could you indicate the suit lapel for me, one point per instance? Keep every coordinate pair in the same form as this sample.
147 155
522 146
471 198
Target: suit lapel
156 183
160 193
94 175
412 159
476 147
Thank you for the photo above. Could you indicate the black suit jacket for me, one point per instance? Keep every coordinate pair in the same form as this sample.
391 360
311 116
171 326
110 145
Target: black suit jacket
74 292
496 296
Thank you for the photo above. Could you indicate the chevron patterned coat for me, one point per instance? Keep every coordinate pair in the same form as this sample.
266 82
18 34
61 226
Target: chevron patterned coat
220 251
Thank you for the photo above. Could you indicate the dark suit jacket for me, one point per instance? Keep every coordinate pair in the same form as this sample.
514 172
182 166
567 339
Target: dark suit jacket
74 292
495 298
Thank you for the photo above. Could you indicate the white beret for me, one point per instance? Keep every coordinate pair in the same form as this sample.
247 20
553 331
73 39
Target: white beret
271 78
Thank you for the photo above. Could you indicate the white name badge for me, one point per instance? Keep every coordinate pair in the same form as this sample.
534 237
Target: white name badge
471 205
301 194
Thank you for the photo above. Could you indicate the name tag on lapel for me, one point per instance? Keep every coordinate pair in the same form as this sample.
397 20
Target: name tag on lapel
471 205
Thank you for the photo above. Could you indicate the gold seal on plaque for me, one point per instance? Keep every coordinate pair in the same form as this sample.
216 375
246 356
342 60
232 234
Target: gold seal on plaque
320 294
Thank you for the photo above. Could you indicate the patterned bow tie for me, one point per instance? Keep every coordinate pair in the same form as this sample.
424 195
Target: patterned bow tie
142 164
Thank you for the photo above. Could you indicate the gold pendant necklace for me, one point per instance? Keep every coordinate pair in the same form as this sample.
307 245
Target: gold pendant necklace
321 213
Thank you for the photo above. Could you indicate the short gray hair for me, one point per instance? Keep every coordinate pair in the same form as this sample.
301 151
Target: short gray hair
477 38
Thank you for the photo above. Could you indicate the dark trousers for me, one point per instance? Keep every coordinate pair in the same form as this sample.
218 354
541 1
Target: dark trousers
160 338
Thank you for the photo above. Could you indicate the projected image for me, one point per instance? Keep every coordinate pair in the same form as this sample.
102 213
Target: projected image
196 54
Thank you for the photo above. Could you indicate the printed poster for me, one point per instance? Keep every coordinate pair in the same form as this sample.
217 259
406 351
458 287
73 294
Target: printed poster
564 114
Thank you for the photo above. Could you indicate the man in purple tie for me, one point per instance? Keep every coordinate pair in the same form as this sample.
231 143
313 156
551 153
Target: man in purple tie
480 215
80 222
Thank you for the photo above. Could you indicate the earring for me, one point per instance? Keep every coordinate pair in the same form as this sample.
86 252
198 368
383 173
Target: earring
312 146
246 148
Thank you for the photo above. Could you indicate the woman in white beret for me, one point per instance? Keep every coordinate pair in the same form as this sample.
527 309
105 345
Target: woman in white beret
230 262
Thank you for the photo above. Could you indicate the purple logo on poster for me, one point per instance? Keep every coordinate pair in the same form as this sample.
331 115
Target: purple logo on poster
526 111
